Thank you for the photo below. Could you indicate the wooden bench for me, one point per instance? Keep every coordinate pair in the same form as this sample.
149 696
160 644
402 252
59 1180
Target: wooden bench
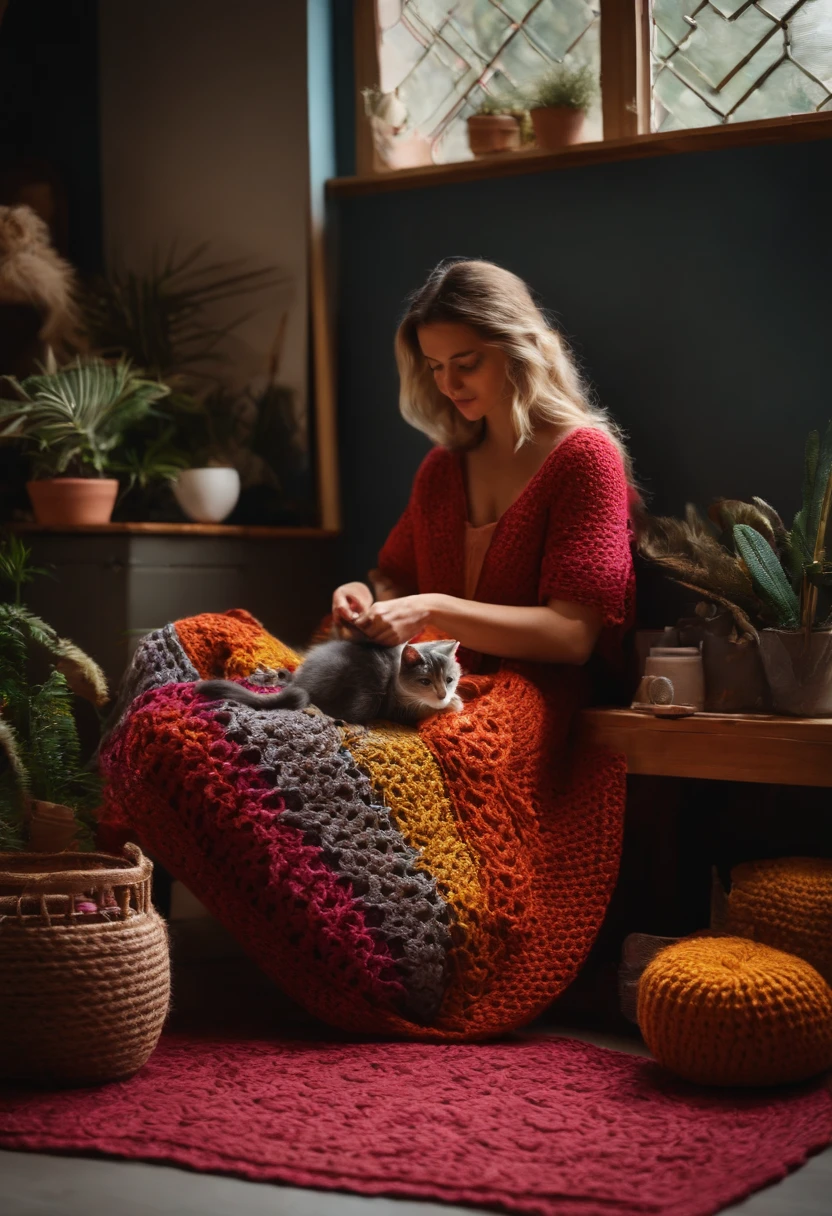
723 747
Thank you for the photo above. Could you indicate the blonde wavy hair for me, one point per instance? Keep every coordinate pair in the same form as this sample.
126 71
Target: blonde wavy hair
499 306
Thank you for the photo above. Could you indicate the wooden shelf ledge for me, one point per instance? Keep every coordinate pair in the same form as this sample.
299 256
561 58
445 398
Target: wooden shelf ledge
796 128
720 747
254 532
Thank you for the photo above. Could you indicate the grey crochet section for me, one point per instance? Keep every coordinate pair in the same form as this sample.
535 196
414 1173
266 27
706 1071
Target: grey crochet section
159 659
331 801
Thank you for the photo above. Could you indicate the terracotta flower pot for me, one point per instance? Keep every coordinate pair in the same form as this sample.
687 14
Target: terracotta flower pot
73 500
52 827
799 671
207 495
557 126
489 134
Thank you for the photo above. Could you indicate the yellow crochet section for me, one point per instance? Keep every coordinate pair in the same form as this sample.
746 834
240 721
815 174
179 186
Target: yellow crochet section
727 1011
407 777
787 904
265 652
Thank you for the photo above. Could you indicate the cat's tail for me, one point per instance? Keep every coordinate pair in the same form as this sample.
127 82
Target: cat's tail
227 690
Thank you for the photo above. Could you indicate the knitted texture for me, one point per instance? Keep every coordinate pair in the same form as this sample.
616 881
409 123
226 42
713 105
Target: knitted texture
565 537
540 1126
445 883
787 904
727 1011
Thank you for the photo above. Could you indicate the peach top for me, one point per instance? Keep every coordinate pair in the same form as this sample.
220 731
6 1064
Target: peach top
477 541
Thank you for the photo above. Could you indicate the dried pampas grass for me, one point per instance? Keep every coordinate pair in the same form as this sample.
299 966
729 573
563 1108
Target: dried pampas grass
32 273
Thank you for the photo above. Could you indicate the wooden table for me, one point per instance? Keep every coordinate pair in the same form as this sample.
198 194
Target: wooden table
723 747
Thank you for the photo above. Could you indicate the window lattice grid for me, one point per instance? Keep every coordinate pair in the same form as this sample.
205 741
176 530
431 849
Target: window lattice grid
718 61
443 58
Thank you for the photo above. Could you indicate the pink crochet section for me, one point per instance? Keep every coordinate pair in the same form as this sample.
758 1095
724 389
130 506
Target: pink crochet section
227 815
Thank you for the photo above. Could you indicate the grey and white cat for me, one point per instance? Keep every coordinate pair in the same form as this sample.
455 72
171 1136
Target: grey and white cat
359 682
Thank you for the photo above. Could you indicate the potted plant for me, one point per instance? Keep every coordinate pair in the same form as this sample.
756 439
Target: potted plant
793 579
698 554
161 319
558 104
73 419
46 793
499 125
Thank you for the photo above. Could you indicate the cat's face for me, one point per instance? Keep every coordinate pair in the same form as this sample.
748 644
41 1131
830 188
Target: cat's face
430 673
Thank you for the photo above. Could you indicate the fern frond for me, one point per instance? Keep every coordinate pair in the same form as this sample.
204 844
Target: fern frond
691 553
85 677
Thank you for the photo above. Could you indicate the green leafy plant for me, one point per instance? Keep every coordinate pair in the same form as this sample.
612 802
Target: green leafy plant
768 576
160 319
38 736
73 418
692 552
15 567
790 571
744 559
574 88
511 105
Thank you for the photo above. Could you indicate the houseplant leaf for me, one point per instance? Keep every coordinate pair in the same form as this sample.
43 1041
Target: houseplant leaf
768 576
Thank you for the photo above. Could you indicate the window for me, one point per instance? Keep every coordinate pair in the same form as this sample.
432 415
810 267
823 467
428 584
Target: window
443 59
735 61
664 65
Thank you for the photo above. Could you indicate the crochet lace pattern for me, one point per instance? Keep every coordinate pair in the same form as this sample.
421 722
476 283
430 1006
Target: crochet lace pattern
445 883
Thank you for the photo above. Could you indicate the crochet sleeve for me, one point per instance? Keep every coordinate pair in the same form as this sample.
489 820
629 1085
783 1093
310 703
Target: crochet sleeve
397 559
587 557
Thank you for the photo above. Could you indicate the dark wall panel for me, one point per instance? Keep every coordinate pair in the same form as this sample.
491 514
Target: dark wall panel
694 288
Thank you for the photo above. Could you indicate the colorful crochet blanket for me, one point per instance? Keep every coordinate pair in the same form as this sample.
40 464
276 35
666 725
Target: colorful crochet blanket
440 883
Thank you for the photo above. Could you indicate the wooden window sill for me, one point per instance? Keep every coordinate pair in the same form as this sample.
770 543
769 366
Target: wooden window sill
721 747
255 532
797 128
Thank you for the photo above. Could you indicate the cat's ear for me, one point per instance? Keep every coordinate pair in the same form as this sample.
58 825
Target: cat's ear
411 656
448 648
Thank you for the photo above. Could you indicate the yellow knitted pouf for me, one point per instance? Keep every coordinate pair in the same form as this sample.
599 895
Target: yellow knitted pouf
787 904
727 1011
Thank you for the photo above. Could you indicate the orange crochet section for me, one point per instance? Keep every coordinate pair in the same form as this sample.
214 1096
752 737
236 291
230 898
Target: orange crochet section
727 1011
232 644
548 848
407 777
786 903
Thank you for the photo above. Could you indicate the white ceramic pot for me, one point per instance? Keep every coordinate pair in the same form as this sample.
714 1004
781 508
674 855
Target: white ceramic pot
207 496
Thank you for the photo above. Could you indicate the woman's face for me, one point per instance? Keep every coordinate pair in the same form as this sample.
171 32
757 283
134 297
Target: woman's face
467 369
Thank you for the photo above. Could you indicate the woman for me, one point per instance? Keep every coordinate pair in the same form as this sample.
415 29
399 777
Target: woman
516 539
446 882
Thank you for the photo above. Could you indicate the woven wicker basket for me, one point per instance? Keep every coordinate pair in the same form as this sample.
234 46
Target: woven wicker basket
84 967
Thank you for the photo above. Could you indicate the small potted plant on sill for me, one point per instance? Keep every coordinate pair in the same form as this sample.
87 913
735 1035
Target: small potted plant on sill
558 104
793 578
499 125
72 419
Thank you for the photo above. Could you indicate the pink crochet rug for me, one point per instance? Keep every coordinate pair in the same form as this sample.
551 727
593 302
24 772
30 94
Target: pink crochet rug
532 1124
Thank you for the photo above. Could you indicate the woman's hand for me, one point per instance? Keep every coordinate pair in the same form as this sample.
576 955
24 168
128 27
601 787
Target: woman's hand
391 622
349 601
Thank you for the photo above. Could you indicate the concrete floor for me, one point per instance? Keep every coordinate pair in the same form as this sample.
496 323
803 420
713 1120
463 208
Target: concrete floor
209 965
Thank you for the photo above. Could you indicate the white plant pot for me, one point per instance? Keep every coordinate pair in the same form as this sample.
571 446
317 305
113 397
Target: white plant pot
207 496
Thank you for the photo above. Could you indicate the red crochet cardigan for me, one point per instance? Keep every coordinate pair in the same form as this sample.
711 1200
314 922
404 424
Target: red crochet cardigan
567 536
